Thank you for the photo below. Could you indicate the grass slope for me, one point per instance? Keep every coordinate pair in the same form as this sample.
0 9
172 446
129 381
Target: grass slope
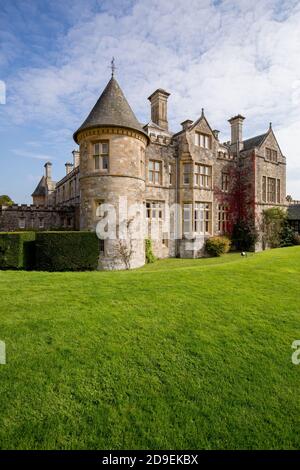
179 354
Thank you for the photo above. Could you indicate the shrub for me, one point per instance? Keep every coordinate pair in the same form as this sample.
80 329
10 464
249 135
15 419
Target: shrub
67 251
244 236
287 235
150 258
17 250
217 246
296 240
273 222
6 200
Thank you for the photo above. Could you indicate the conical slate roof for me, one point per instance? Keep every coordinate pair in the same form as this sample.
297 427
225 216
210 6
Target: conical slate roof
40 190
111 109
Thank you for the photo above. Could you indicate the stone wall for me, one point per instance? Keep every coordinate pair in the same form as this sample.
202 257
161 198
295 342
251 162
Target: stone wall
24 217
161 231
124 178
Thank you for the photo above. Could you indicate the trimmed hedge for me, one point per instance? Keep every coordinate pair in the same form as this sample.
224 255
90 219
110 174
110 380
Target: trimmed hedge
17 250
67 251
217 246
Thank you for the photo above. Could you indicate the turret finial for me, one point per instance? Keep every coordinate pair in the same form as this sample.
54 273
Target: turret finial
202 112
270 126
113 67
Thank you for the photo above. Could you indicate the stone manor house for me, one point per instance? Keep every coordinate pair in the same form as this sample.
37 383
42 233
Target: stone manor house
208 180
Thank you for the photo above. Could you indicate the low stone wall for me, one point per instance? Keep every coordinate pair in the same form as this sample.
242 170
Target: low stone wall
33 217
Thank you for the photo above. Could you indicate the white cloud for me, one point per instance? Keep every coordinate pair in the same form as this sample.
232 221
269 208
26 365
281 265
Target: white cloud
227 57
2 92
28 154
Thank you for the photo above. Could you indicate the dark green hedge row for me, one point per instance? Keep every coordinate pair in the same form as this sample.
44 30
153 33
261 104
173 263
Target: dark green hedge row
17 250
49 251
67 251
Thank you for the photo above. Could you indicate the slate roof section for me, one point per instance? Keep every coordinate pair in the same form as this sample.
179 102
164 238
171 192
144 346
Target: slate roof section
111 109
294 212
254 142
40 190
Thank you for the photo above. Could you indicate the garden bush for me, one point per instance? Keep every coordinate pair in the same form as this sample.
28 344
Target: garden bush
296 239
274 220
217 246
287 235
17 250
67 251
150 258
244 235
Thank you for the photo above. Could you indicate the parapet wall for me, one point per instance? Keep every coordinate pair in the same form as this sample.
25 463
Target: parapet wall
34 217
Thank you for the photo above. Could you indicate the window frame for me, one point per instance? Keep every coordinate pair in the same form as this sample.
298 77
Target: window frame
101 246
223 218
100 156
225 179
203 140
278 191
271 190
186 175
199 218
23 224
271 155
203 177
264 189
154 210
155 172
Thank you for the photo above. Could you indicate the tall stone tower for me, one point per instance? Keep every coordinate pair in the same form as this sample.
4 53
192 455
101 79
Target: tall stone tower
112 165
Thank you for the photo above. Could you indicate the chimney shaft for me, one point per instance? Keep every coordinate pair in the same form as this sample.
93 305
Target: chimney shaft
69 167
76 158
186 124
159 109
216 133
236 123
48 170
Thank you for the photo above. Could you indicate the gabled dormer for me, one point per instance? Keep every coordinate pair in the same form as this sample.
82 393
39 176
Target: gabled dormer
202 134
266 146
270 149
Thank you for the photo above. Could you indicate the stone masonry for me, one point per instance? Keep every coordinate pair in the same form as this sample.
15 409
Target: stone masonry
156 169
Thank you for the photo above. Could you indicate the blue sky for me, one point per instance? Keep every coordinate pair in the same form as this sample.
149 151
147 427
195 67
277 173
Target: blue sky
226 56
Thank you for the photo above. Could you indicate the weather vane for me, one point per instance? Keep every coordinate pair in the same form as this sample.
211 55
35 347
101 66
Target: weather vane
113 67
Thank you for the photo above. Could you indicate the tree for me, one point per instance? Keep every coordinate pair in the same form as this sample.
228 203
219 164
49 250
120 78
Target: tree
124 248
244 235
287 235
273 222
6 200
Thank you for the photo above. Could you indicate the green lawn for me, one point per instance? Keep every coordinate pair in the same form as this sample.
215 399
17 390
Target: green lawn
180 354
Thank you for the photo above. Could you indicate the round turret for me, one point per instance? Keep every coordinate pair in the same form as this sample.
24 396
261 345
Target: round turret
112 170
